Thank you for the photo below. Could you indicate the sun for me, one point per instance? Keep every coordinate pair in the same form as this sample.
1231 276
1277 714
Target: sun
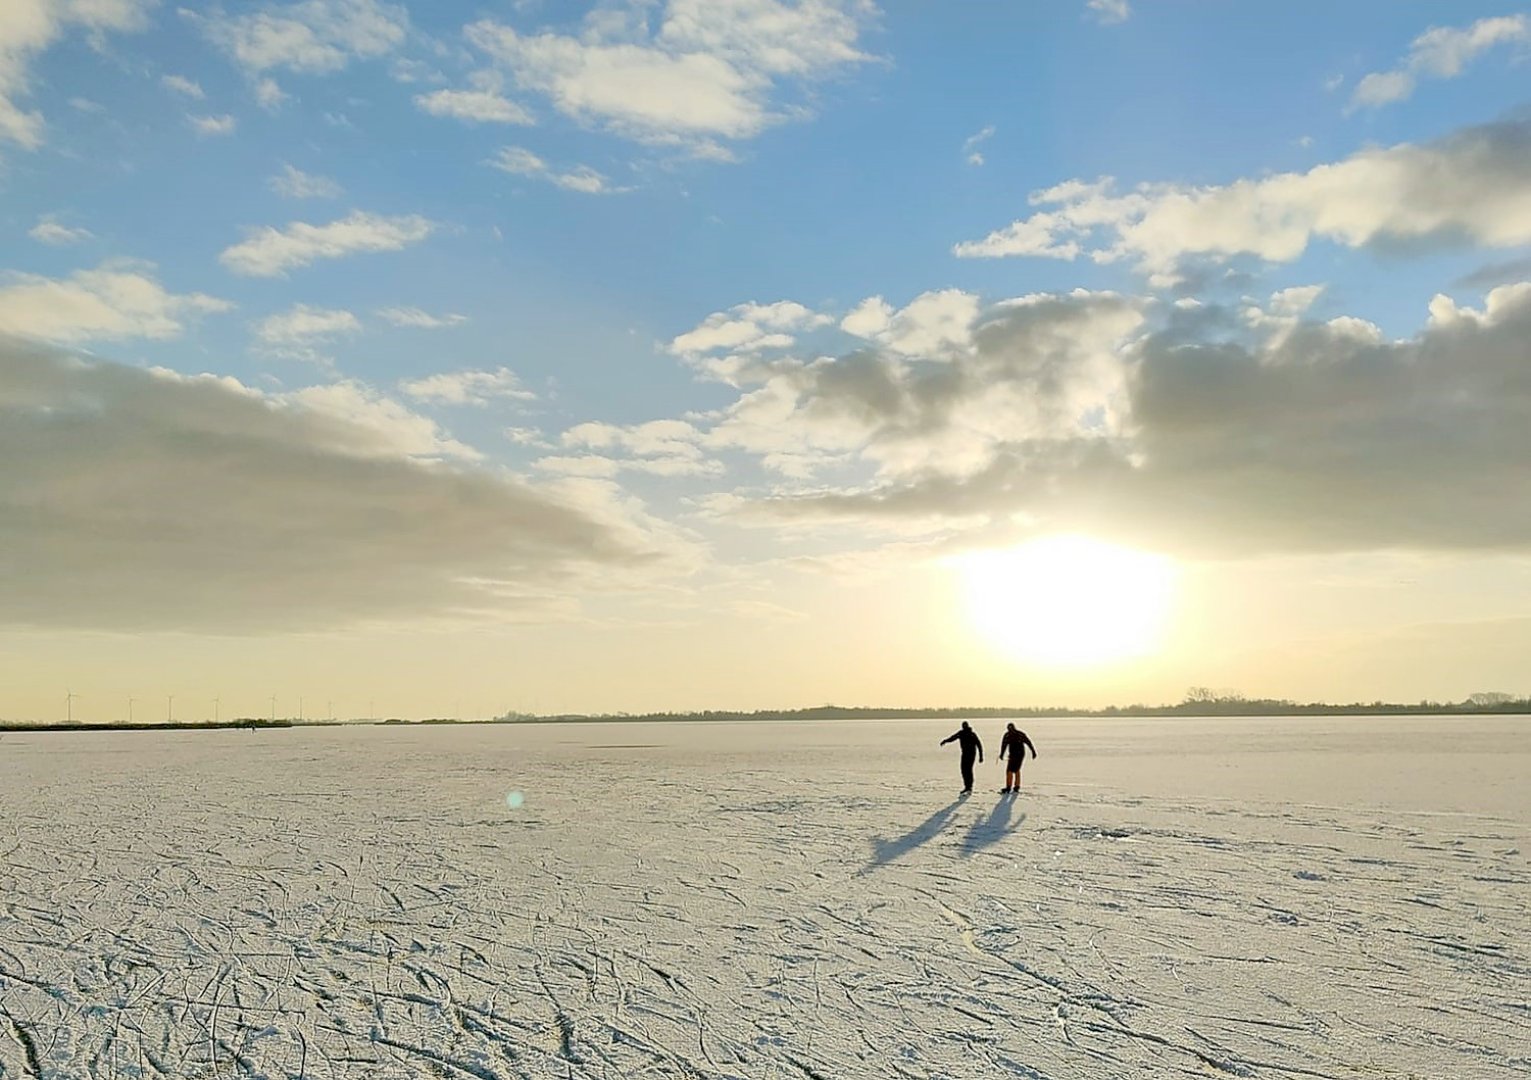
1069 601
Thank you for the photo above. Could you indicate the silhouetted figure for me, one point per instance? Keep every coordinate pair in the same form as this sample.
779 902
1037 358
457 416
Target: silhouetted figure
1012 750
971 745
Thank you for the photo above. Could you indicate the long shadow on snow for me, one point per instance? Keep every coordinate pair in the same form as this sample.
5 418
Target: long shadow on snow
885 851
992 829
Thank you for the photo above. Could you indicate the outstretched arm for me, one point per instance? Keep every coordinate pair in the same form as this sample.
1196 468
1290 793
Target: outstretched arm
949 738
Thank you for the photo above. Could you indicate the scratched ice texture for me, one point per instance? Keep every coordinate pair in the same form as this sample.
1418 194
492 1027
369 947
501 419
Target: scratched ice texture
1345 897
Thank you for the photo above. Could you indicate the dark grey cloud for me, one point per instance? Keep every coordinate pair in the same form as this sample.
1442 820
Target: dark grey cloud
1317 436
135 498
1021 366
1497 273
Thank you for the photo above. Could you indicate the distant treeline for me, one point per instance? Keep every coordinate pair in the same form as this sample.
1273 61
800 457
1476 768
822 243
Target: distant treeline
176 725
1197 704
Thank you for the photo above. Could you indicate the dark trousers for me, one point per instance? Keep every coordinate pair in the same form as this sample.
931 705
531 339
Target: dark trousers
967 772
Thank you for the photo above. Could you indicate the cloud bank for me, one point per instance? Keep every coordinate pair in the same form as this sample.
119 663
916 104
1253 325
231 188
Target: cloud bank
1473 187
1194 429
143 499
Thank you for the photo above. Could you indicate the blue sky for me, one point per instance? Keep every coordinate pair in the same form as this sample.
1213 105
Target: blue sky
865 194
466 230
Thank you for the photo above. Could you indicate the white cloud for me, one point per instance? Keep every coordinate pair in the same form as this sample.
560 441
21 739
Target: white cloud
28 27
1109 12
1381 88
1442 52
467 387
269 252
657 438
934 324
346 507
1473 187
183 86
1284 313
386 427
484 106
296 184
869 318
213 125
710 70
1295 300
49 230
114 302
1445 51
414 318
603 467
269 95
747 329
524 436
518 161
301 326
311 37
656 448
407 70
970 145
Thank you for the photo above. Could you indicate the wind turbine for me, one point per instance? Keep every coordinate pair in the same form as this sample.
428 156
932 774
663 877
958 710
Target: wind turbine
69 696
216 716
170 709
130 709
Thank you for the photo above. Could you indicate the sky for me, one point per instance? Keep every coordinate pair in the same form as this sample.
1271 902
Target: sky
364 358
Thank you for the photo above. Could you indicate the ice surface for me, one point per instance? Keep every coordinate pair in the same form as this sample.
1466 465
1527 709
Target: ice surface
1295 897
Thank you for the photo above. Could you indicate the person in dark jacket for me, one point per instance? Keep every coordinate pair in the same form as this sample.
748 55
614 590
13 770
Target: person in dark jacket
1012 751
968 739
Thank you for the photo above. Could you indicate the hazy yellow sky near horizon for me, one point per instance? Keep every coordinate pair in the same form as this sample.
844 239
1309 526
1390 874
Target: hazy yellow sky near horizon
1335 629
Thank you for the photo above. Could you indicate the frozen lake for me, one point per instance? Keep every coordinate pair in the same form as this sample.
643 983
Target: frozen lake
1341 897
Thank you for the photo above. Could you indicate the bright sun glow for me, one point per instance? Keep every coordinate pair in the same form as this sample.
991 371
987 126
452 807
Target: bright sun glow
1069 601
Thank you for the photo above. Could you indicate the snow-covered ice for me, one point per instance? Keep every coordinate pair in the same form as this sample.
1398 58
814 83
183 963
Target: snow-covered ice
1297 897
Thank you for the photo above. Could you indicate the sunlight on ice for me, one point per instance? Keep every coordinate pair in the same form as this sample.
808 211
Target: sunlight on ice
1069 601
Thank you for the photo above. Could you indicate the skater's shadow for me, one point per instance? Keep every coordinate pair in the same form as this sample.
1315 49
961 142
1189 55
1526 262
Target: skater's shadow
994 828
885 851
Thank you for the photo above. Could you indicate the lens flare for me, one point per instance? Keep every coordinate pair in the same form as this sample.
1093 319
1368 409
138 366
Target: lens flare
514 800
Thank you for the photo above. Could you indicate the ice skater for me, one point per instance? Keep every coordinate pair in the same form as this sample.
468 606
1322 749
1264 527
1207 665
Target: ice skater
1012 751
971 744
